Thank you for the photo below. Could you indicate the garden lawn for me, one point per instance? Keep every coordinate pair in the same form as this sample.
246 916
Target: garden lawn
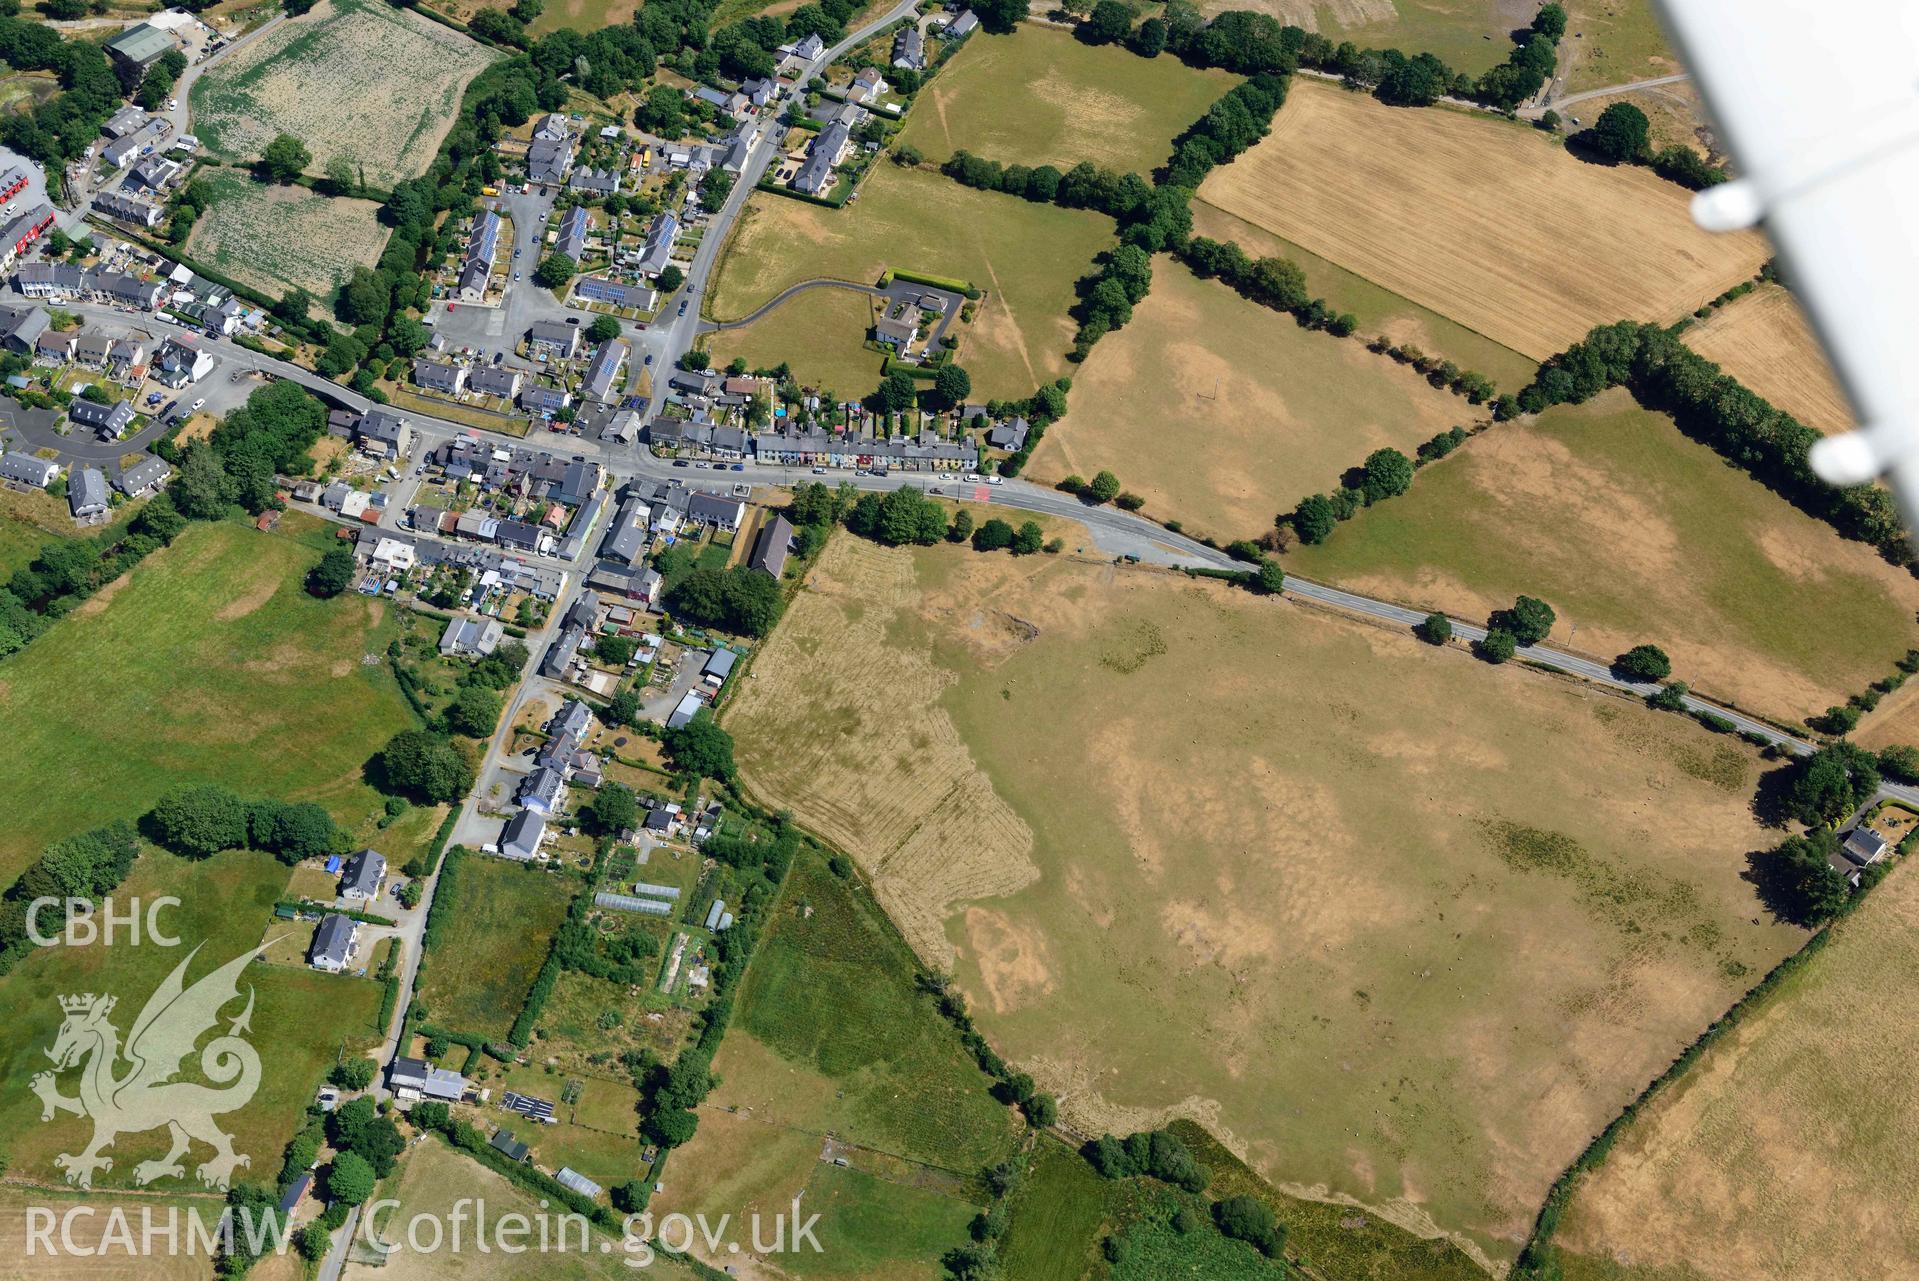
1044 97
1633 533
1026 257
820 333
500 923
301 1020
208 663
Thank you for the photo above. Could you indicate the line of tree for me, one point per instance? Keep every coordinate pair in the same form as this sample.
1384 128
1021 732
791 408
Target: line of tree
199 820
1386 473
60 129
1235 122
66 571
86 866
1712 406
1622 135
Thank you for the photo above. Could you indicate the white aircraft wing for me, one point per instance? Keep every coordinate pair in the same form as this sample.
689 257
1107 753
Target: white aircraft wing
1818 103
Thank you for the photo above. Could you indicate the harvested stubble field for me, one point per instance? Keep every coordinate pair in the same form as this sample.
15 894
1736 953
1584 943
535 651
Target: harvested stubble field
1026 256
1226 878
1789 1149
114 1262
1633 533
1379 311
1045 97
1763 340
354 78
279 238
1483 221
1223 413
1895 720
207 663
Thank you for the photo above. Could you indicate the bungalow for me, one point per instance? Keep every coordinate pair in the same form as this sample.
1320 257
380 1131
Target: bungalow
657 253
719 666
333 943
1010 436
149 473
384 434
574 224
965 24
86 492
1861 849
130 209
522 836
439 376
107 421
363 876
715 97
554 338
774 545
25 469
413 1079
616 293
471 637
494 380
606 375
909 49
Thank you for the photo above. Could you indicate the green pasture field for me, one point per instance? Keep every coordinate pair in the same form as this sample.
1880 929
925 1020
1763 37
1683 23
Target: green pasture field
301 1021
1633 533
501 922
1026 256
1044 97
207 663
821 334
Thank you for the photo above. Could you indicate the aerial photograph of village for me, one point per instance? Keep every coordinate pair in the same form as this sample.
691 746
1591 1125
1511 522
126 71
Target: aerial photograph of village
931 640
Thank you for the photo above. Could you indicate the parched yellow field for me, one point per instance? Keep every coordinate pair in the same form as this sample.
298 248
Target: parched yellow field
353 78
1790 1149
1197 852
92 1223
948 837
1222 413
1763 340
1484 222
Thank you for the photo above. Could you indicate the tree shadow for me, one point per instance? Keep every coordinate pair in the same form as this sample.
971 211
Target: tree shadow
1771 799
1772 879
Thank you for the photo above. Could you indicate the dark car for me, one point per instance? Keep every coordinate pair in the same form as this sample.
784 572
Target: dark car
739 466
680 462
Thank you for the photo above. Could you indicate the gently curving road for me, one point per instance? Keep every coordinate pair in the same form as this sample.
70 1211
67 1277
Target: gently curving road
716 326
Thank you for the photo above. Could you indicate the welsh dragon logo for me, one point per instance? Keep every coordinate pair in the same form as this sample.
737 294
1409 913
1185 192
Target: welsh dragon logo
146 1097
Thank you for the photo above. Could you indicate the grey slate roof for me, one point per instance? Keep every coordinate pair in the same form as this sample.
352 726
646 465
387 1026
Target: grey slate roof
363 874
332 941
86 491
147 472
774 545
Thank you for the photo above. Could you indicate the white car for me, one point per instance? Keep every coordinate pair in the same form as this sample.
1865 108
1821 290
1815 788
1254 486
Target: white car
996 480
198 405
973 478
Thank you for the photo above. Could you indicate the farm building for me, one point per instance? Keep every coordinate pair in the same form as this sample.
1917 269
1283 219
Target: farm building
414 1079
630 903
719 666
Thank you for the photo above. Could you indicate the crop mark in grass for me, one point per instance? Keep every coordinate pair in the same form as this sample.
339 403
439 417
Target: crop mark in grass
1132 646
